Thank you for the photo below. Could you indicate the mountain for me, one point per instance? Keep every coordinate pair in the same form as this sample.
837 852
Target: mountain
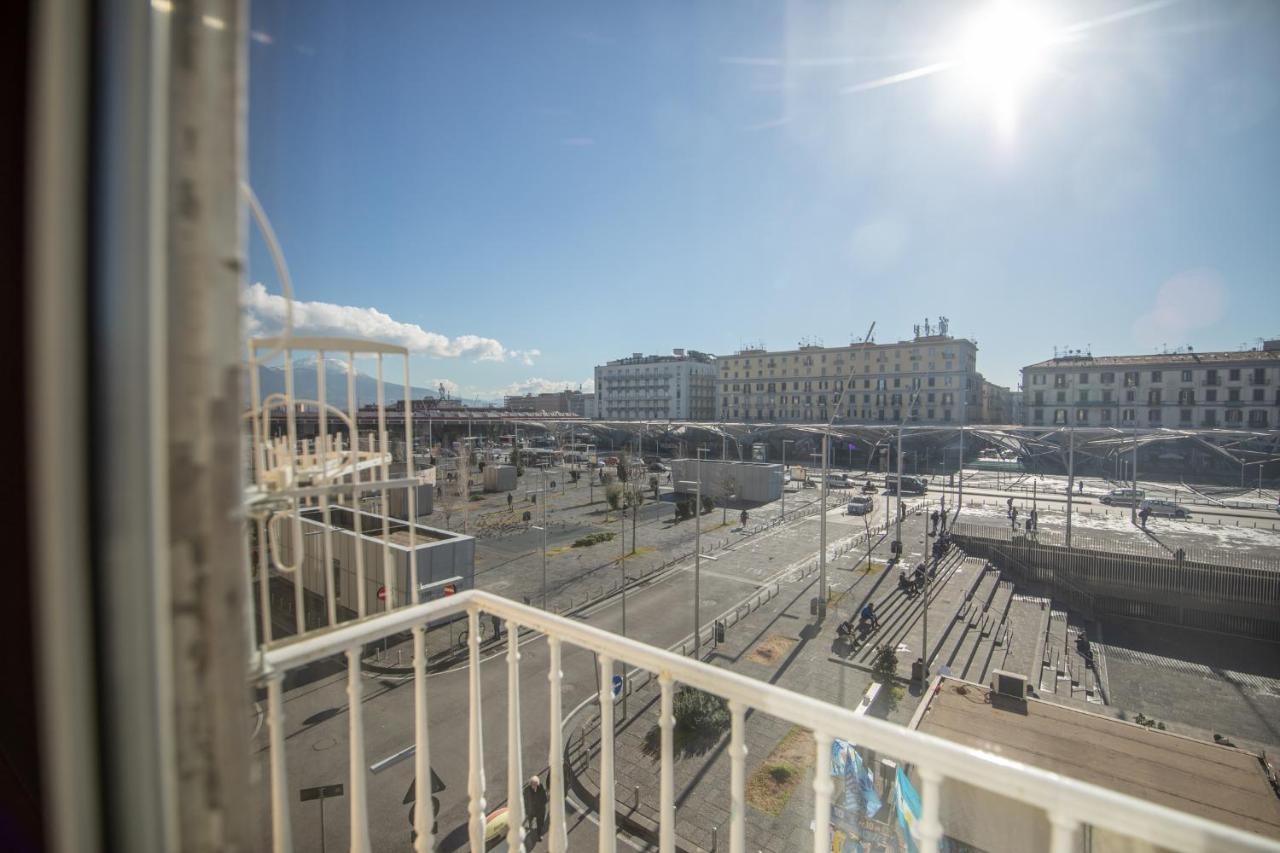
271 381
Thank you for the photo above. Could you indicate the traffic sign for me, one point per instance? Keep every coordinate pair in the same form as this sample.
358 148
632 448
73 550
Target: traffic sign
320 792
617 686
382 593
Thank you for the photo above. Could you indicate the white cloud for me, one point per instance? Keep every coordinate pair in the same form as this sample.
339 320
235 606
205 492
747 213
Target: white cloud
534 385
1190 300
450 387
267 310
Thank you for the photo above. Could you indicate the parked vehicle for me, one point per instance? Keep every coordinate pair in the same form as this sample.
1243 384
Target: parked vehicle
861 505
838 481
1166 509
1123 497
910 485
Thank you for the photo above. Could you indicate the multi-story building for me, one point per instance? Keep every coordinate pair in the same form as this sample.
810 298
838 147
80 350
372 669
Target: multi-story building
680 386
568 402
1235 390
926 379
995 403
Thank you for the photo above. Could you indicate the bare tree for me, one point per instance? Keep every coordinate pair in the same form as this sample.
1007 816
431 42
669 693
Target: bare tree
727 490
635 499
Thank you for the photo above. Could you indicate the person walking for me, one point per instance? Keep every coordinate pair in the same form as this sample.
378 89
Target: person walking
1035 519
933 517
509 500
869 614
1144 515
1013 518
535 806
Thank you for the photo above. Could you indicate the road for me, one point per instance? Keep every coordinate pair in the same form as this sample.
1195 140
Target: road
316 721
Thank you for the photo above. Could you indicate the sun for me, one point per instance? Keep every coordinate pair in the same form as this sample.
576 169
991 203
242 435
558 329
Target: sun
1001 50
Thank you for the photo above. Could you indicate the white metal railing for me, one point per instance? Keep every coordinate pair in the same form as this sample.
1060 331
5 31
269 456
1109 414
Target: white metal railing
1068 804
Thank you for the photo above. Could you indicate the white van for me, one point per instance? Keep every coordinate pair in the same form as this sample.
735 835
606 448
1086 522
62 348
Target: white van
838 481
1123 497
862 505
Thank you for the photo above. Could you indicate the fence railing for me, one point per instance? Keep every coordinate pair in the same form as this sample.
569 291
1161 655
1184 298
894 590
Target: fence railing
1116 545
1069 805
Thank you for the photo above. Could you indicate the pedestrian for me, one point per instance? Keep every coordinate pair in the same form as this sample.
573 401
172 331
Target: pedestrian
509 500
1009 504
535 806
933 517
1035 519
869 614
1013 518
1144 515
497 626
1029 523
1080 487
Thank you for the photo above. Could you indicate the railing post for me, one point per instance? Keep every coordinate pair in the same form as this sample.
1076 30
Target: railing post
608 834
667 804
738 778
822 794
515 768
355 735
555 759
1064 833
930 825
281 834
475 735
422 816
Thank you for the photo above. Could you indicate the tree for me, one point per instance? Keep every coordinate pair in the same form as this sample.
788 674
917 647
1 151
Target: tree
728 490
624 467
635 500
613 495
884 667
653 484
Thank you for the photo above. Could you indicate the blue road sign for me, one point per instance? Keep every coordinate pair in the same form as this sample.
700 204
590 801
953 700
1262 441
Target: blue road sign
617 686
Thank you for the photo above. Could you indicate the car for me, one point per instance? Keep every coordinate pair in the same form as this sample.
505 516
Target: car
1123 497
1167 509
861 505
839 481
910 485
658 468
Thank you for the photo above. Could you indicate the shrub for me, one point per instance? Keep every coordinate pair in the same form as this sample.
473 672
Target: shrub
885 665
613 495
697 712
592 539
708 504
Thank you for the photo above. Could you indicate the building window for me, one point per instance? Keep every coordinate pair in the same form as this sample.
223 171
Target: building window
1131 379
1153 416
1130 396
1037 415
1259 395
1153 397
1211 396
1259 376
1106 416
1038 397
1083 396
1082 416
1210 418
1233 375
1186 376
1185 415
1108 378
1106 395
1059 380
1157 376
1258 418
1211 377
1061 396
1059 416
1233 395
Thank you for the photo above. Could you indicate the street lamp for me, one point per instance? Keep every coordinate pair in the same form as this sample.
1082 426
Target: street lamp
543 528
785 442
898 488
697 555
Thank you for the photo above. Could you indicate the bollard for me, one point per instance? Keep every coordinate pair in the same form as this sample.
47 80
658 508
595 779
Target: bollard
714 830
637 805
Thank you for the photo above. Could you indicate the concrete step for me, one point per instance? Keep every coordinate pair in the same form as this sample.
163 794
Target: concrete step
901 612
1053 658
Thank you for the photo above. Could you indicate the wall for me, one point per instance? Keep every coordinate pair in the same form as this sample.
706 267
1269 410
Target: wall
757 482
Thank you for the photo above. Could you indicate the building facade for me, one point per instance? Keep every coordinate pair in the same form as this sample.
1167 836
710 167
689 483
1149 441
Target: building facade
567 402
927 379
995 403
1204 390
678 387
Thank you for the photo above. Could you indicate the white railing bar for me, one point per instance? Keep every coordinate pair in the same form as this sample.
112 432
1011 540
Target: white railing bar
515 766
422 816
737 778
326 568
334 344
264 580
388 565
666 722
281 833
475 735
355 734
361 605
930 826
822 788
1064 834
1097 806
558 841
608 839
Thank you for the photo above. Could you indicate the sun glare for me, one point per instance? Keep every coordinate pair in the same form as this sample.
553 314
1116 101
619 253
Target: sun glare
1001 51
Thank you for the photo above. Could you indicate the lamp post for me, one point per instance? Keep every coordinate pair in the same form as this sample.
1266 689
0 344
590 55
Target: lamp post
822 530
898 487
785 442
697 555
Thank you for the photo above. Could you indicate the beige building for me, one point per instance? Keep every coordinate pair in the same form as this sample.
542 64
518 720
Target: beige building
801 385
1235 390
1220 783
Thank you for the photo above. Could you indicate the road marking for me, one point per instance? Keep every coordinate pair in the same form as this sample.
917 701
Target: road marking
723 576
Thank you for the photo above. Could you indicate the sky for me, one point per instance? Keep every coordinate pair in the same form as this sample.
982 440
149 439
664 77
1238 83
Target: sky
520 191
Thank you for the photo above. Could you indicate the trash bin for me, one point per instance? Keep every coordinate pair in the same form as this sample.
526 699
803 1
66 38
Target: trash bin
917 671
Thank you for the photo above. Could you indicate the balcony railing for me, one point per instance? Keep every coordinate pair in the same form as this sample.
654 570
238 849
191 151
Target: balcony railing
1068 805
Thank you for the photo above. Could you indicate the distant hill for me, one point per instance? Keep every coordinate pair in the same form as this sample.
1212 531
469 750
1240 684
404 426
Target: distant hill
271 381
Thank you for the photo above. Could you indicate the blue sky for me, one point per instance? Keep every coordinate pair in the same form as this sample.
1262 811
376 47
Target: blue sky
522 191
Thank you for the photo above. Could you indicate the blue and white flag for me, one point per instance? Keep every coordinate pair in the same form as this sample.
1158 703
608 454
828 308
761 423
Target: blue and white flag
908 803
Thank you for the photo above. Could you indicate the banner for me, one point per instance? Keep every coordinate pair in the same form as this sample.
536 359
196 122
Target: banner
908 802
